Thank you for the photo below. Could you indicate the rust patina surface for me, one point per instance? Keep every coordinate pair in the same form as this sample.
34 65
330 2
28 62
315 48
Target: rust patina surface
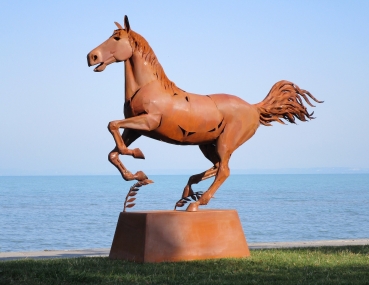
155 107
158 236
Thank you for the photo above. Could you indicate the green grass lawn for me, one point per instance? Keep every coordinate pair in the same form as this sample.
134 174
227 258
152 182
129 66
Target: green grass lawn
325 265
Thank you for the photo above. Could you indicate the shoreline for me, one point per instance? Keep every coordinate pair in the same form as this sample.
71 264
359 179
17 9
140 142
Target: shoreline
104 252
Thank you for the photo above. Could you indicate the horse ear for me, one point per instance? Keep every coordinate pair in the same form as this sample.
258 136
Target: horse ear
126 24
118 25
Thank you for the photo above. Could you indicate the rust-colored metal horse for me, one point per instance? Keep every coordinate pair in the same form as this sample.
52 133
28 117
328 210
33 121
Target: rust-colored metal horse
155 107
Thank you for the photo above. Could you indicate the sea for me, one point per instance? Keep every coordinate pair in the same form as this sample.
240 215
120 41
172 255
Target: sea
81 212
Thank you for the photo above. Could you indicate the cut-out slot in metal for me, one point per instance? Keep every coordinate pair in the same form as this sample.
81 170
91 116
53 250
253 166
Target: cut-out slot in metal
134 94
161 119
183 131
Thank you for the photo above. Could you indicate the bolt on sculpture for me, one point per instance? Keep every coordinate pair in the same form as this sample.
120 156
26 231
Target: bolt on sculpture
155 107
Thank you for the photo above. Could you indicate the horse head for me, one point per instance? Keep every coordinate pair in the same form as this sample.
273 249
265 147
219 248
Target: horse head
115 49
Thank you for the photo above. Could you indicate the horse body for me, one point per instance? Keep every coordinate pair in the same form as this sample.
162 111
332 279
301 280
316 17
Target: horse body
198 119
155 107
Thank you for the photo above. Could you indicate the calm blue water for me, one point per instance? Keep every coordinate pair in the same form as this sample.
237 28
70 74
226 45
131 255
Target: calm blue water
68 212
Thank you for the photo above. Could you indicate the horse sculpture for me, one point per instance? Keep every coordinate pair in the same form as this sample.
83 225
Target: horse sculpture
155 107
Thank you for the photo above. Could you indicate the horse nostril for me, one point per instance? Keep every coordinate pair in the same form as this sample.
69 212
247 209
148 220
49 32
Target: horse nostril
95 57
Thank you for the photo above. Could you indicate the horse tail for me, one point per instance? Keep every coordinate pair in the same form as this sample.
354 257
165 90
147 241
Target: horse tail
284 102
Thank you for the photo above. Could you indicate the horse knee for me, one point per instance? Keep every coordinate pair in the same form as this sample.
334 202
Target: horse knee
191 180
224 172
194 179
112 156
113 126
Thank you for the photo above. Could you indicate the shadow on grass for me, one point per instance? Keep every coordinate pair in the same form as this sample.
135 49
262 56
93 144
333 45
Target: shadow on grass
326 265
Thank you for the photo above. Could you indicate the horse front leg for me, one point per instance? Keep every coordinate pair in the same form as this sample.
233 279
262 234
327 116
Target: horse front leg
223 150
194 179
209 151
145 122
220 177
128 137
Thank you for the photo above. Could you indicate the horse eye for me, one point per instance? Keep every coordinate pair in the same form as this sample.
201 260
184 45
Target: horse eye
117 38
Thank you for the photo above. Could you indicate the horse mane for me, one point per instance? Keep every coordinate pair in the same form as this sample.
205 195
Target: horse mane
139 43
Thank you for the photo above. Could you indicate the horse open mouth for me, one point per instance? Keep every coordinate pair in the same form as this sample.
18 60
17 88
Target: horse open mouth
100 67
105 63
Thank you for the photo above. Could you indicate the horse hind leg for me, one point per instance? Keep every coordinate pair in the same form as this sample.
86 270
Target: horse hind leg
227 143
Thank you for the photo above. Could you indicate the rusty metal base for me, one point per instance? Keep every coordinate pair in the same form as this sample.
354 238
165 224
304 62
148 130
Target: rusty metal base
158 236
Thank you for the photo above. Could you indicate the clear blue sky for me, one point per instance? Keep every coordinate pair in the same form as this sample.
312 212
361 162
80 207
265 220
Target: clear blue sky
54 110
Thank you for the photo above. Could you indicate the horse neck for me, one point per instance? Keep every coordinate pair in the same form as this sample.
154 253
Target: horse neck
138 73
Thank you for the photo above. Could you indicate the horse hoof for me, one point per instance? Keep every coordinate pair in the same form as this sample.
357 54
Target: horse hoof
140 176
193 207
137 153
146 181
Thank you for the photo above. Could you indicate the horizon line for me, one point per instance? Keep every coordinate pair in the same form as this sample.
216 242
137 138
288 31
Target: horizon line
251 171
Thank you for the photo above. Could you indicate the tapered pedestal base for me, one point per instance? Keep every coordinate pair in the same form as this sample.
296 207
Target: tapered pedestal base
157 236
